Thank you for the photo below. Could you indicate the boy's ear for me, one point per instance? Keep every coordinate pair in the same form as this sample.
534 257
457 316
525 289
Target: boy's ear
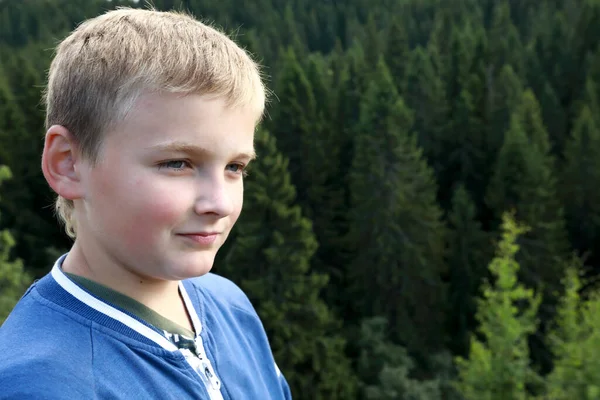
61 163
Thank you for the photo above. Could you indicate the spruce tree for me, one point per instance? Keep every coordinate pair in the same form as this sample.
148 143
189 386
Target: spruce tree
397 53
468 254
12 122
373 43
580 184
505 94
314 144
295 126
498 365
270 259
524 181
505 44
396 228
426 96
575 343
463 154
348 93
386 369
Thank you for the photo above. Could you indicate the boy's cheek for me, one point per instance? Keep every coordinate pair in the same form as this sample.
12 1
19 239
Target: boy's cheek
142 220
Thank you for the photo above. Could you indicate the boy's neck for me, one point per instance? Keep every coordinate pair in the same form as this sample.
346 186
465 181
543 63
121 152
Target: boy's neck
161 296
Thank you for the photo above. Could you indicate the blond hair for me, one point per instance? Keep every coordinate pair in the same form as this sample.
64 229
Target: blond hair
106 63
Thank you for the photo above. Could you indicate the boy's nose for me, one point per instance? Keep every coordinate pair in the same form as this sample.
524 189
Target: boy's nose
216 197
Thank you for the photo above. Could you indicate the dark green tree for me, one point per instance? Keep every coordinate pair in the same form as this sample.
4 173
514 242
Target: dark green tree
12 121
505 45
373 44
580 184
469 252
386 369
397 53
295 125
504 96
524 181
425 95
270 259
396 225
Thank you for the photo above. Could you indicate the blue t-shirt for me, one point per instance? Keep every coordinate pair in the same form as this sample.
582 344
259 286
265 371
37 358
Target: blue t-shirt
62 342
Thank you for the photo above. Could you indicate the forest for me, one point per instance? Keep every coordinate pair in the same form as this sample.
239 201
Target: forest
423 219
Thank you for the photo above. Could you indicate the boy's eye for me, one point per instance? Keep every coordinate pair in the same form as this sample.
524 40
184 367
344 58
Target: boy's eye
174 164
236 168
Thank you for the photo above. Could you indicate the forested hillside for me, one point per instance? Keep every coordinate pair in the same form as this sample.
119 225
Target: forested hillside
423 220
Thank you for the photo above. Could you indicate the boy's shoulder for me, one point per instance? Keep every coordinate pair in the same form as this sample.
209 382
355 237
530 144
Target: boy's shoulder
33 340
222 290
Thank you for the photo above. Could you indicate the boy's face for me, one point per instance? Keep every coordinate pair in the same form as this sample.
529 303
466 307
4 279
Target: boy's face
168 186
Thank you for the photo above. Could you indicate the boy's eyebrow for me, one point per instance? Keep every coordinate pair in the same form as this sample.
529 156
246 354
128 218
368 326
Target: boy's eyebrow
183 147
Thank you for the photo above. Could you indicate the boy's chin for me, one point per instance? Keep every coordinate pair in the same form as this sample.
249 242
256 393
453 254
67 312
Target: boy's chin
195 266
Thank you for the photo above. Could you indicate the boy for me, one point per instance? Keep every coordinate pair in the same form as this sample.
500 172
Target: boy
150 125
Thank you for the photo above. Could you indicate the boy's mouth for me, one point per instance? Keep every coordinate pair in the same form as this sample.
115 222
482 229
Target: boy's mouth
202 238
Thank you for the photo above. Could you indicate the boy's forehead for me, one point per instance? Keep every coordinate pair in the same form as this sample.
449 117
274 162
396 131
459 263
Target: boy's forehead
188 105
188 124
178 146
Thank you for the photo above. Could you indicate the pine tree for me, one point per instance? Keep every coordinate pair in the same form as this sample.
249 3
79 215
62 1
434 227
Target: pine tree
590 98
468 255
425 95
554 117
13 279
291 37
270 259
462 151
462 156
12 121
396 228
397 53
320 150
349 89
498 365
505 44
372 44
504 93
575 343
580 184
524 181
385 368
296 125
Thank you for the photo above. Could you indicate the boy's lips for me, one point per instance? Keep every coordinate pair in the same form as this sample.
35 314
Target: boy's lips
203 238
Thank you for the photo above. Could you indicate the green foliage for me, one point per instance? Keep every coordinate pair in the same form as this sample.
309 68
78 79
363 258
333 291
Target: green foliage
295 121
504 97
26 195
13 280
575 343
386 368
468 255
505 44
270 259
524 180
580 182
425 94
396 225
397 52
498 365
